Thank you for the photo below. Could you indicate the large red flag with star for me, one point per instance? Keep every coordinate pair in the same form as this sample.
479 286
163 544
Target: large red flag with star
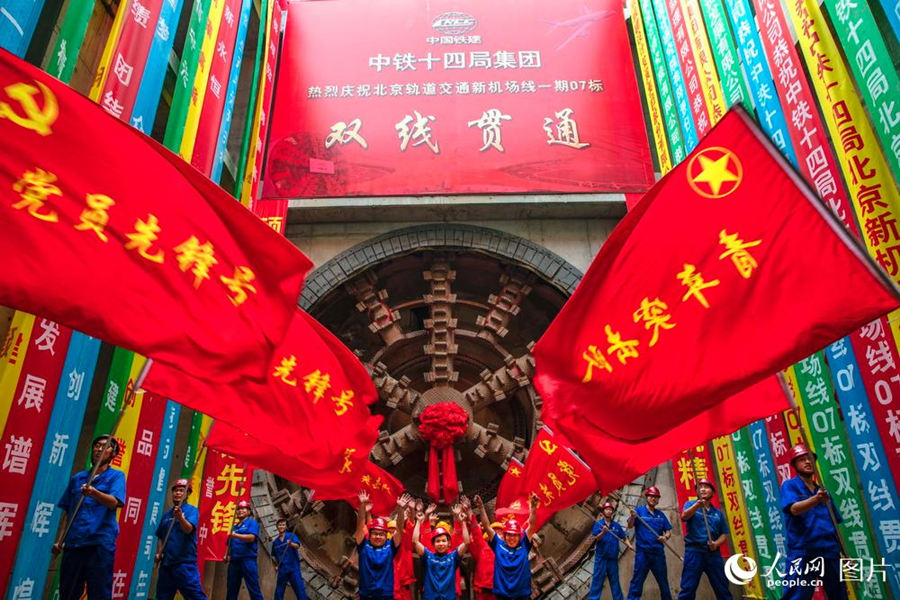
104 230
699 294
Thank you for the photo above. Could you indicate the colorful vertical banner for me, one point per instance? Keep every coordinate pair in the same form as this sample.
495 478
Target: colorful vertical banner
725 55
195 455
261 114
816 161
666 97
113 393
828 436
892 11
205 61
706 69
684 61
25 432
874 71
140 476
70 39
650 97
12 356
225 482
734 507
872 466
129 57
757 512
29 572
151 84
273 213
187 70
779 442
690 466
213 107
156 503
19 18
879 375
231 93
768 110
106 64
771 496
250 120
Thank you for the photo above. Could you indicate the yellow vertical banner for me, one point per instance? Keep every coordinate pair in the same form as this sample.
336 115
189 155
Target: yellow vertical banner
197 473
106 58
703 58
646 67
127 428
735 508
201 79
250 170
867 176
12 356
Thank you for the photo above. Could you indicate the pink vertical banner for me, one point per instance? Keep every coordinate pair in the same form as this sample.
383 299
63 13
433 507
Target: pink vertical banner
780 443
26 428
688 67
214 99
130 57
140 480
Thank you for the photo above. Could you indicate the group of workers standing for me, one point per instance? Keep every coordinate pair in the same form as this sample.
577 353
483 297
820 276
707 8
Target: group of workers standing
385 549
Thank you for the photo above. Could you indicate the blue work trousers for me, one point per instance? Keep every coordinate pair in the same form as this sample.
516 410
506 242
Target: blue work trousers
243 569
649 562
88 566
605 568
834 588
290 577
696 563
179 577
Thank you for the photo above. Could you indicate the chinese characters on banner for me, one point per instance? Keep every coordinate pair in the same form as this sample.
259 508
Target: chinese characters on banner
226 481
497 97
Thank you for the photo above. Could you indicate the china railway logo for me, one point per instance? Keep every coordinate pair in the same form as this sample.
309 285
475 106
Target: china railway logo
454 23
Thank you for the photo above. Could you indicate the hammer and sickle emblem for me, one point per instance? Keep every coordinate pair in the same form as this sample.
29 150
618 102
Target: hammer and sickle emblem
37 119
548 447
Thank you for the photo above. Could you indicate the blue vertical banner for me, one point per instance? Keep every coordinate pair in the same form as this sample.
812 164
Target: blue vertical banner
679 88
759 77
57 458
892 10
156 504
878 489
765 467
147 100
231 93
17 21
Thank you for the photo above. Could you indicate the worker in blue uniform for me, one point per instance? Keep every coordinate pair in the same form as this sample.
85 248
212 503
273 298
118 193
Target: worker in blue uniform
512 570
242 553
811 533
651 531
177 553
706 529
376 552
286 555
607 535
89 547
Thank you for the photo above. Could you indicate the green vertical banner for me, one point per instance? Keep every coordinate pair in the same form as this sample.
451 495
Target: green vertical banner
828 434
756 509
725 55
184 80
71 37
190 453
113 393
663 87
251 103
876 77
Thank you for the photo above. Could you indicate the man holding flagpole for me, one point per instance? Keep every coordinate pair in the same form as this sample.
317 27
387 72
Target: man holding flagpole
286 555
242 545
651 530
177 554
607 535
706 529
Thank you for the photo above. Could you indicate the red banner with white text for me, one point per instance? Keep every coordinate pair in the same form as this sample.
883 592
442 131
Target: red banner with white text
226 481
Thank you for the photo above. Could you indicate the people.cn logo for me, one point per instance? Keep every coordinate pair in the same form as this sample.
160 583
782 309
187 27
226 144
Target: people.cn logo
735 573
454 23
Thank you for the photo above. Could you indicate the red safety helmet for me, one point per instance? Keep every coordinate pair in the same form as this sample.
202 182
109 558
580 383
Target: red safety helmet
652 491
798 451
185 483
708 482
512 526
378 524
606 505
437 531
243 504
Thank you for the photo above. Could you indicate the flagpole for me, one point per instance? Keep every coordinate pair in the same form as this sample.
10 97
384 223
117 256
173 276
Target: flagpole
162 548
647 525
234 516
703 509
805 437
129 395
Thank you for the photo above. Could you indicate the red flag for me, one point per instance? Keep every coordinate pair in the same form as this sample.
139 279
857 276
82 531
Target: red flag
746 294
551 471
315 396
512 485
111 234
226 481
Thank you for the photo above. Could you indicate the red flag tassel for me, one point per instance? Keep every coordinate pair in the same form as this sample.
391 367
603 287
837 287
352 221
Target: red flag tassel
448 465
434 474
